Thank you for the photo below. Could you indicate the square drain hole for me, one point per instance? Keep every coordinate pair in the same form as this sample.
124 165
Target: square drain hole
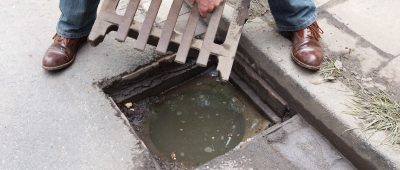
184 115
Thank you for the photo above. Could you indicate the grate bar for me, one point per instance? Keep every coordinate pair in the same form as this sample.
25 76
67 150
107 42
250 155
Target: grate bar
187 37
212 29
123 27
148 22
169 26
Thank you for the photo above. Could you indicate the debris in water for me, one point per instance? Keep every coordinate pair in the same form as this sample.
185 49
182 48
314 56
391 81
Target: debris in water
214 74
208 149
234 99
128 105
173 156
229 140
195 131
253 125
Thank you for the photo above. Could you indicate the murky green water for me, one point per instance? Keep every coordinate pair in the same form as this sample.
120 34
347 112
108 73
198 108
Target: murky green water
200 120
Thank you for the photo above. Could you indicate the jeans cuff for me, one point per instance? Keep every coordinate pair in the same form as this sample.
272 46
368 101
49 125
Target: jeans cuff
72 35
301 26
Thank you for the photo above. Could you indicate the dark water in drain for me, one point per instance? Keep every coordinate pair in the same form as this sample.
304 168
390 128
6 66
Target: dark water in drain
201 120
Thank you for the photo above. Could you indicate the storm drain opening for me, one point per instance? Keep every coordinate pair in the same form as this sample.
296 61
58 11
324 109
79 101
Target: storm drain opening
186 116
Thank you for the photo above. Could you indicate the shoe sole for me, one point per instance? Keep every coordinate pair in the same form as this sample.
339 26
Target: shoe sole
313 68
60 66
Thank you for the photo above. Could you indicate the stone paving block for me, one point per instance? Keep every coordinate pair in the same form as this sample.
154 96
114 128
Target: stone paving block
376 21
392 71
340 42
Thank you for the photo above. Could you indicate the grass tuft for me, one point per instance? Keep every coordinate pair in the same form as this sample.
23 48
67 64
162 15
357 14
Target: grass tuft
379 113
331 70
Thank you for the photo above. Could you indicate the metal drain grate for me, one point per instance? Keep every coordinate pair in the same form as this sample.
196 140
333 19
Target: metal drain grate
145 33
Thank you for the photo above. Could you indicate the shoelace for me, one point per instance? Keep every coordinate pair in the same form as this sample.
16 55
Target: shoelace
315 31
66 41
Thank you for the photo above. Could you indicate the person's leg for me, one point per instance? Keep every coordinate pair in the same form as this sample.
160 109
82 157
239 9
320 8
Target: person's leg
299 18
293 15
76 21
77 17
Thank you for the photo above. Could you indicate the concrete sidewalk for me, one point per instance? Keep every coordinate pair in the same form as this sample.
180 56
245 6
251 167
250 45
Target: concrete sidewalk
63 120
60 120
368 28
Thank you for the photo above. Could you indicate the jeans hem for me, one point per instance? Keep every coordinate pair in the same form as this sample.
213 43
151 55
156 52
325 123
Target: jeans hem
304 25
72 35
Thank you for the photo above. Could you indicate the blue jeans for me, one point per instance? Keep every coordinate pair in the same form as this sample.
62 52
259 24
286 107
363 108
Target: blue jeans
293 15
77 16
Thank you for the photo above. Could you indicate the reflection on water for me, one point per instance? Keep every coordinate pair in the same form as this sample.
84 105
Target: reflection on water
200 120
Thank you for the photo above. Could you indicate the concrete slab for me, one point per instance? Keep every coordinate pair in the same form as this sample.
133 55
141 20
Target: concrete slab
376 21
60 120
339 43
391 71
292 145
325 105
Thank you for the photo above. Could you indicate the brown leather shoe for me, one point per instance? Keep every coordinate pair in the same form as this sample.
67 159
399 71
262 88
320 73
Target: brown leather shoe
306 50
62 52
